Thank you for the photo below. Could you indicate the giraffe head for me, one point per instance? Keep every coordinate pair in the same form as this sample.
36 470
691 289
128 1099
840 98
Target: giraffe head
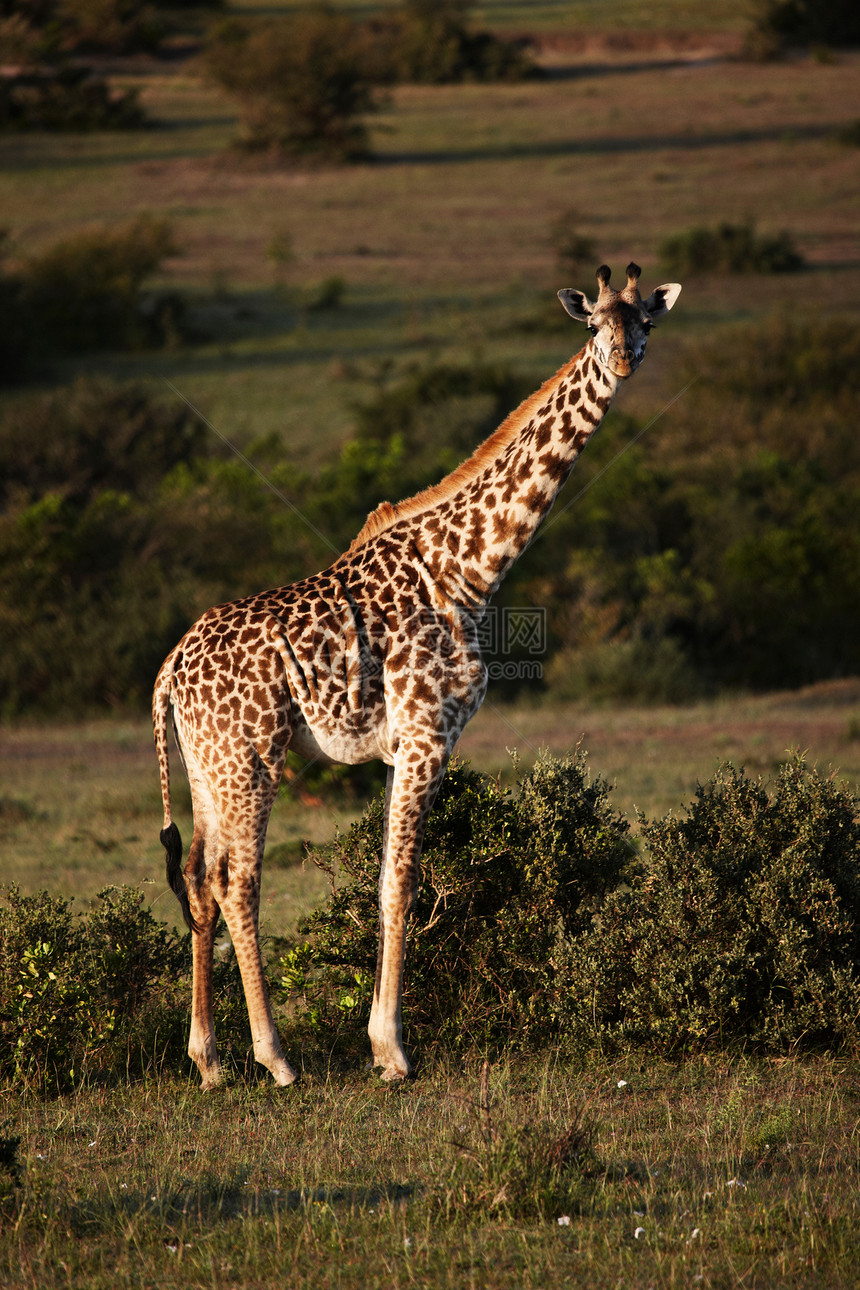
619 321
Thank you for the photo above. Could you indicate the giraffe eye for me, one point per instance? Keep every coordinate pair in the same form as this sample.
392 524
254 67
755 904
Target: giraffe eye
647 325
594 330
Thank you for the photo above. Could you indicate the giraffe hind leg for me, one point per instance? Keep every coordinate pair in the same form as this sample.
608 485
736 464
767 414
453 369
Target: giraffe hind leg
239 804
203 914
239 898
231 800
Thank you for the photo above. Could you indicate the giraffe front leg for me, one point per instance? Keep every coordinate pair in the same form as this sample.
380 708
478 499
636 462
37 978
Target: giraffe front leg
410 793
386 1027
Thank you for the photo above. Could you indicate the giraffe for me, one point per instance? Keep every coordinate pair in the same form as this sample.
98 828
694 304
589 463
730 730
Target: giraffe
375 657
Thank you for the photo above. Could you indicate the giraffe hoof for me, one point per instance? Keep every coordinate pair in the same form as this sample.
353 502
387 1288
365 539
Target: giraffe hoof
284 1075
212 1079
394 1072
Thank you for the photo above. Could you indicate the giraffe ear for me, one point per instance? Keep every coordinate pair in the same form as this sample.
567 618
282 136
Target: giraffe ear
662 299
576 303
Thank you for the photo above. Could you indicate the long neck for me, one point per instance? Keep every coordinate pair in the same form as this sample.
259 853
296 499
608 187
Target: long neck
470 539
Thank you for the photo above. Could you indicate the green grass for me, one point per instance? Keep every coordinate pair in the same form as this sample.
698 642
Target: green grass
714 1172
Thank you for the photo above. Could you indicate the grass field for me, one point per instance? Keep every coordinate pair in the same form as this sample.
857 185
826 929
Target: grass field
720 1170
714 1173
443 241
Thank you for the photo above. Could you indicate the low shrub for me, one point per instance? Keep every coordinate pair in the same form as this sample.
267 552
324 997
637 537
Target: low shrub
100 996
504 880
94 561
729 248
430 42
85 999
85 291
67 98
92 436
743 925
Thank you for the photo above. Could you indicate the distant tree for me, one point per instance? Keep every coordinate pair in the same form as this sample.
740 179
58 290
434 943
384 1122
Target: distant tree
49 29
431 42
777 24
302 83
53 28
66 98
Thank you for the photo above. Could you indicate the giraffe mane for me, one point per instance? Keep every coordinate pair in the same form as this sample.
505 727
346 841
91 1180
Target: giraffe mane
387 514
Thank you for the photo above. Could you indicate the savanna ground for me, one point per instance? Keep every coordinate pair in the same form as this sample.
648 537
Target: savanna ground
725 1172
721 1170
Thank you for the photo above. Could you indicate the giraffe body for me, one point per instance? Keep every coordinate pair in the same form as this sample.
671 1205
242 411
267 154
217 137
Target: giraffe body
375 657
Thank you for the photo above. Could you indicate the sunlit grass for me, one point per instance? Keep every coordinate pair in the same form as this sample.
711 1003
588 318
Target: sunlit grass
343 1182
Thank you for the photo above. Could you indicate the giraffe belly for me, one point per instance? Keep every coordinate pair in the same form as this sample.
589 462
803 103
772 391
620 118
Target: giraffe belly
317 739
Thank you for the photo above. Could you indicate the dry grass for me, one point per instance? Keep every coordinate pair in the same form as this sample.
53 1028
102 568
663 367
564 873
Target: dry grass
655 757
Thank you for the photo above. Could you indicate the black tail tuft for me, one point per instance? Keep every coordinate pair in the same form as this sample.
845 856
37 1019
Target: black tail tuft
172 843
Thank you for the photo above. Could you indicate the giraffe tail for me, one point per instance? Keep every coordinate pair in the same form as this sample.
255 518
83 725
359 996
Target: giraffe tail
170 837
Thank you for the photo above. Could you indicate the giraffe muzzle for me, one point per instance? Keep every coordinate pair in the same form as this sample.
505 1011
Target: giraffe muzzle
622 362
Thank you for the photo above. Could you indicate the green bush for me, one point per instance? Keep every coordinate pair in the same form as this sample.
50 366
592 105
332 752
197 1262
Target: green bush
85 292
504 881
724 550
301 83
96 562
88 998
92 436
729 248
743 925
67 98
101 996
